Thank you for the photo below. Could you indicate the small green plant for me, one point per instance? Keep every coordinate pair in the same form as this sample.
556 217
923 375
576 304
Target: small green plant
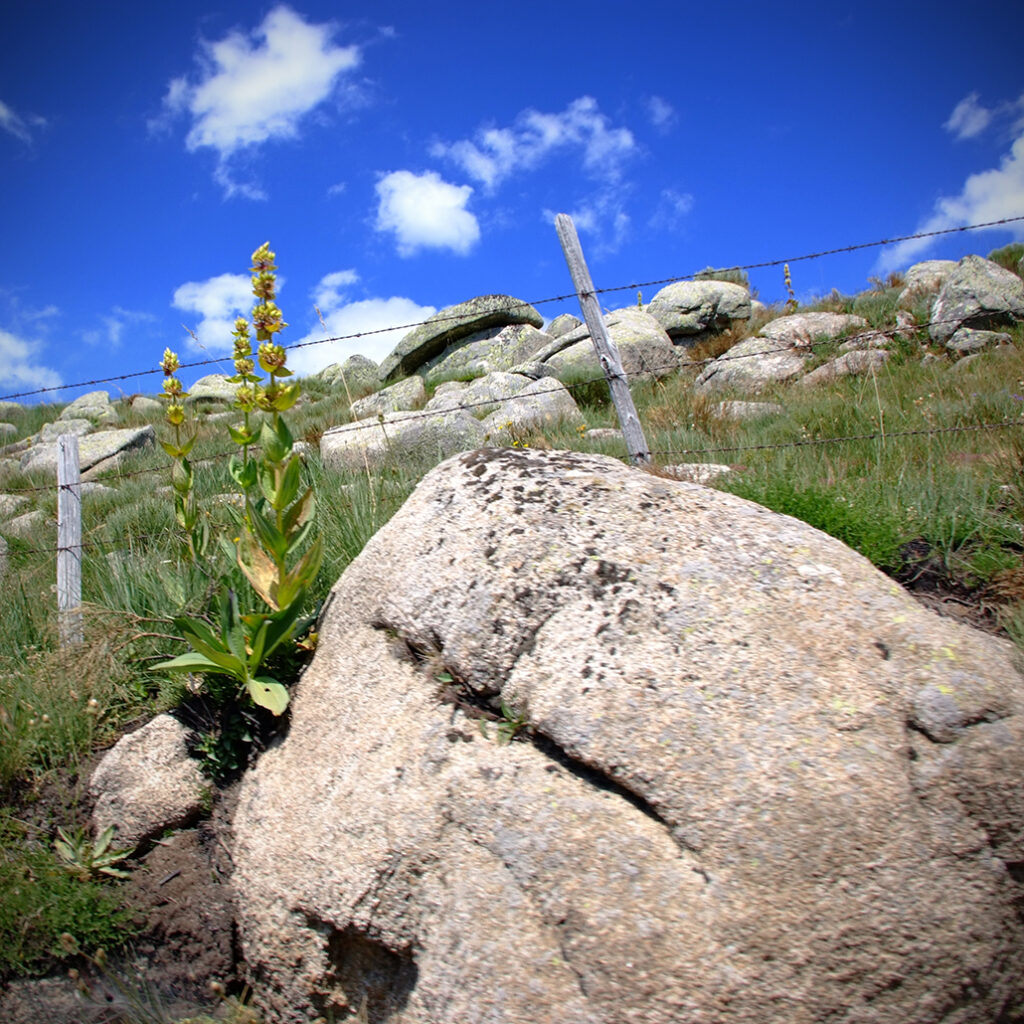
39 900
1009 256
512 723
85 858
276 523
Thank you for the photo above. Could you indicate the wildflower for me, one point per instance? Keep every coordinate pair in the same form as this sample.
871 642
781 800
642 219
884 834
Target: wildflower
268 320
263 259
272 358
173 388
169 364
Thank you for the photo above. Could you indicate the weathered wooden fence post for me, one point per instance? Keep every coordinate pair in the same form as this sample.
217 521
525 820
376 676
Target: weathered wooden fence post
69 541
607 350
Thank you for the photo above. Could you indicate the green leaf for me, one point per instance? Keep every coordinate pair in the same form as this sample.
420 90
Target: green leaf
291 480
232 628
275 441
181 476
243 437
269 694
301 512
191 661
242 472
269 535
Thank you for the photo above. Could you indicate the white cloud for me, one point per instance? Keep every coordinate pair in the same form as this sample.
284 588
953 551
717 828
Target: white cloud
424 211
344 318
497 153
672 207
114 326
603 217
21 368
969 118
662 113
986 196
16 125
218 301
257 87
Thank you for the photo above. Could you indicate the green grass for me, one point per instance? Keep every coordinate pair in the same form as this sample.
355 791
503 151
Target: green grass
39 901
957 496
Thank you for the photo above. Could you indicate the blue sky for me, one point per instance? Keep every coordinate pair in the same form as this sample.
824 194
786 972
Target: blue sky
402 157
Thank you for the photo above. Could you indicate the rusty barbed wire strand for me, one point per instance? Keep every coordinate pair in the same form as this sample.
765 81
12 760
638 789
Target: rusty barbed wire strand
536 302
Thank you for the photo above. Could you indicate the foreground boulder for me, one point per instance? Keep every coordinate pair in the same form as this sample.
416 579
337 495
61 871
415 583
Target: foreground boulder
756 782
452 325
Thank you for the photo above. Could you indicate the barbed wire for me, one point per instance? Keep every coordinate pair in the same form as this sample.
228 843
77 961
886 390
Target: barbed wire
646 369
437 318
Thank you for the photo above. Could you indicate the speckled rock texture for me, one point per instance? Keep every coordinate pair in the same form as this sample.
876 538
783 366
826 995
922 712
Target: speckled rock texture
759 783
147 782
977 293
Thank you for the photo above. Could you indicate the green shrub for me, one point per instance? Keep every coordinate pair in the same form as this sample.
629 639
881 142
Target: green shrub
1009 256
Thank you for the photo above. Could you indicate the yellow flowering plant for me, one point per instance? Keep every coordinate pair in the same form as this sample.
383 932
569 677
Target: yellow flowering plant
273 547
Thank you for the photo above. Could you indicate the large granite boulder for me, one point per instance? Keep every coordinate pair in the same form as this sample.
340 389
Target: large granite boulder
644 347
400 437
358 373
751 779
979 294
493 350
690 310
478 397
850 364
452 324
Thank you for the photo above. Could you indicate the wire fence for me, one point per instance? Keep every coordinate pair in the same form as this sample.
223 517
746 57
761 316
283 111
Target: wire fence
438 318
646 370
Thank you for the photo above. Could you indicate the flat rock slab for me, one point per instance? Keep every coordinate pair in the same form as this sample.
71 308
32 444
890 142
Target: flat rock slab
431 338
93 449
756 781
493 350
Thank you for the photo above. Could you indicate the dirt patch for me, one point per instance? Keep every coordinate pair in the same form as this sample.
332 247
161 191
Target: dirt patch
180 892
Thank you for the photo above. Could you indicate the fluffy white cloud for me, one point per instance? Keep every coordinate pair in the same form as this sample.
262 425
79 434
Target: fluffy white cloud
218 301
257 87
603 217
21 367
344 318
986 196
969 118
426 212
497 153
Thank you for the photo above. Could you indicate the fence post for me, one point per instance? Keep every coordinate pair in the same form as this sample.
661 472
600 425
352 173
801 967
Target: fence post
69 541
607 350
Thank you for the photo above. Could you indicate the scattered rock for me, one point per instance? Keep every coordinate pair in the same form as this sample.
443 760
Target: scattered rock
402 437
25 525
562 324
805 329
859 361
978 293
8 430
496 349
430 339
481 396
147 783
751 366
542 403
94 406
358 372
10 410
714 811
146 406
214 387
645 348
405 395
94 450
967 339
50 432
10 503
923 280
690 310
747 410
695 472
